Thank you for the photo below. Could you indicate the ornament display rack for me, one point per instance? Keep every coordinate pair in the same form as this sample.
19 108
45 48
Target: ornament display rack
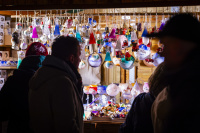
109 17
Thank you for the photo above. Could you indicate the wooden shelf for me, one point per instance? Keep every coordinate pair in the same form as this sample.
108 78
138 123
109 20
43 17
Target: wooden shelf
6 46
7 67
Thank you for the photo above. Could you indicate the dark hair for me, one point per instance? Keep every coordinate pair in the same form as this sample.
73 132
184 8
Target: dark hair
64 46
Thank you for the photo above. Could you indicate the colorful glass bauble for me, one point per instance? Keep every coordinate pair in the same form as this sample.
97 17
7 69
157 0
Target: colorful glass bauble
112 90
95 60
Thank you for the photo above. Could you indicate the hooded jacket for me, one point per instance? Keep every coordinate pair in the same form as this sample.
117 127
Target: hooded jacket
14 95
176 109
55 101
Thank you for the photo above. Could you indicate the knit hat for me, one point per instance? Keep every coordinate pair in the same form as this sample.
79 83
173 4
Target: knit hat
36 48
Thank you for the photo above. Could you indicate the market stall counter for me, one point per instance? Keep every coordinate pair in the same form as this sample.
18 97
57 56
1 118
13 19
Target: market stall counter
91 126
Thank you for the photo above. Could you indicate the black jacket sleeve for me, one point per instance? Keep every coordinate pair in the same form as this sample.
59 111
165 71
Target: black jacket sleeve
139 116
4 100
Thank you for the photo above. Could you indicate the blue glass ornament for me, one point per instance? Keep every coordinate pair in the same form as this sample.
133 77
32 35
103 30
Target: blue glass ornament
108 58
145 32
78 36
57 30
143 46
128 37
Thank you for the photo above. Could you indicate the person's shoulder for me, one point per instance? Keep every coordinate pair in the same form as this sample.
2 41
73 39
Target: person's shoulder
143 96
144 99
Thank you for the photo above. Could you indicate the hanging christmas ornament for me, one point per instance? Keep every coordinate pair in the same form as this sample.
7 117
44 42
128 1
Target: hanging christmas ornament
46 30
57 30
19 27
139 27
145 32
107 29
134 45
118 48
146 87
34 34
112 34
99 44
140 41
78 36
116 61
144 52
92 22
159 50
107 58
127 56
82 64
83 55
117 31
127 62
92 39
15 40
149 61
157 59
69 23
109 64
23 46
162 26
95 60
87 52
125 44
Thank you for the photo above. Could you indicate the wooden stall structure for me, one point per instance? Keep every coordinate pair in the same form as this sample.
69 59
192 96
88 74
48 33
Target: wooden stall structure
9 7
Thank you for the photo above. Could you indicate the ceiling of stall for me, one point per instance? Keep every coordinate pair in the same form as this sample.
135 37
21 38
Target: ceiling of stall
89 4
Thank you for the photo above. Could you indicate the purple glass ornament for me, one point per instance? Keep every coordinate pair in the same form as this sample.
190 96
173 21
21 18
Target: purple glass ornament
161 26
112 34
34 35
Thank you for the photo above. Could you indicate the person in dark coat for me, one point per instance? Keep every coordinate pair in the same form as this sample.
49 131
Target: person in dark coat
14 106
176 109
55 96
139 116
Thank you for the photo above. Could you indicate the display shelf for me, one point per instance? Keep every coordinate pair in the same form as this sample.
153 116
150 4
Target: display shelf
8 67
5 46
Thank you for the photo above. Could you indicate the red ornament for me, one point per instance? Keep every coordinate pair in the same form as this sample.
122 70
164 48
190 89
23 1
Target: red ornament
159 50
92 39
127 56
124 31
118 54
125 44
149 60
135 47
149 44
140 41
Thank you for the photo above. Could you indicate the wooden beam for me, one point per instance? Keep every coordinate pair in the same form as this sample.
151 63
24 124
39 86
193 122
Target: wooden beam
96 4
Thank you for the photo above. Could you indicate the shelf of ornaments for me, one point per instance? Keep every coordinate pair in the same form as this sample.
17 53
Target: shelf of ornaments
8 67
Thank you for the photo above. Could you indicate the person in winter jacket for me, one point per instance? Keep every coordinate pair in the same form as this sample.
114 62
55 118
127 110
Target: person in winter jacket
139 116
176 108
55 96
14 106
